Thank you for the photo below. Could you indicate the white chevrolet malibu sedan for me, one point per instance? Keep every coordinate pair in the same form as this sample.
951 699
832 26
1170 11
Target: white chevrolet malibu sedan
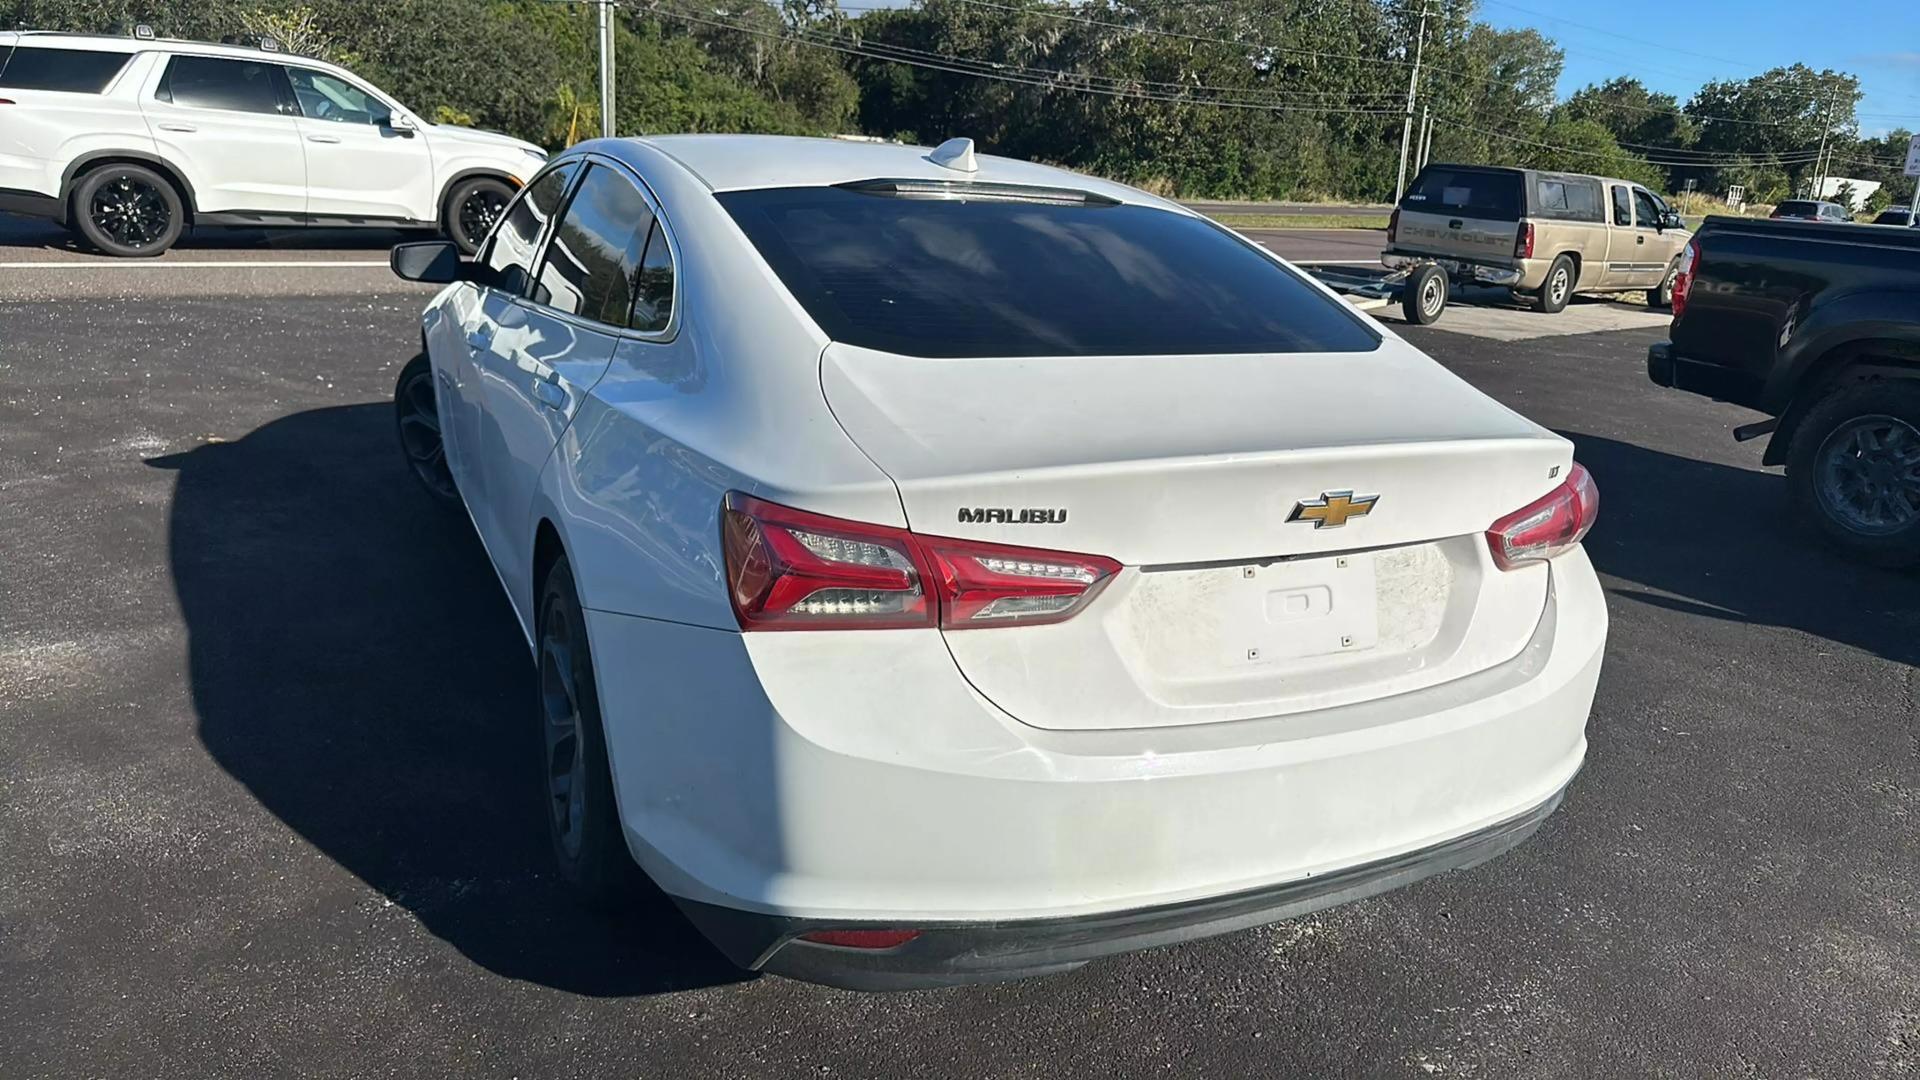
943 568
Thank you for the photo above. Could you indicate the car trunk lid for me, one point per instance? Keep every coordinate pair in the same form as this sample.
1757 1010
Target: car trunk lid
1204 476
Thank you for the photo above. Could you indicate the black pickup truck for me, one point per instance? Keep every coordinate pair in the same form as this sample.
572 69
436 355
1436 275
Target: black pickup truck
1818 326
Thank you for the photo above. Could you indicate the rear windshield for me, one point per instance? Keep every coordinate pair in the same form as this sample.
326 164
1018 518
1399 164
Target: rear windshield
971 276
1473 193
1796 206
79 71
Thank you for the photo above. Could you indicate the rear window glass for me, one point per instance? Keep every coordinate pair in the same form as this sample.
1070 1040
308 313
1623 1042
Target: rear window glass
1471 193
1796 206
75 71
960 276
1566 199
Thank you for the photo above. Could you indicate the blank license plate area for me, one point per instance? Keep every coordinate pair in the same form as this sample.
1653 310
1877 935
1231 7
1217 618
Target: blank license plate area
1302 608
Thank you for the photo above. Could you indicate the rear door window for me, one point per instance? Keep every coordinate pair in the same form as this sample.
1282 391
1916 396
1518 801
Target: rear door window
953 273
1622 206
73 71
1475 193
210 82
594 260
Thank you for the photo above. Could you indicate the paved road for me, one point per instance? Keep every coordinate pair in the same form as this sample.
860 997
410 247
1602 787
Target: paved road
268 805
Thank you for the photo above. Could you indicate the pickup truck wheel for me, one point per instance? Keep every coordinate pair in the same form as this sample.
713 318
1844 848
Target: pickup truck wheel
1662 297
1557 289
1854 471
1425 295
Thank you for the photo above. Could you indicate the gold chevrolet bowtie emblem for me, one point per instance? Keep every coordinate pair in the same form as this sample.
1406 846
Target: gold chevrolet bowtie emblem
1332 509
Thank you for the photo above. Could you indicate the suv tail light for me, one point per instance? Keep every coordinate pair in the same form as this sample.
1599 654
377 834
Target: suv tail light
1393 225
789 569
1549 525
1683 277
1523 241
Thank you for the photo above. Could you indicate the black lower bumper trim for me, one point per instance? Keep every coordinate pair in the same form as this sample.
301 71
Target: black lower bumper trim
31 203
949 954
1660 363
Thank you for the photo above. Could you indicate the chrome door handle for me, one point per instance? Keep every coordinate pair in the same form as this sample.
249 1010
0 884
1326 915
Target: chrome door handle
550 393
480 340
323 138
178 127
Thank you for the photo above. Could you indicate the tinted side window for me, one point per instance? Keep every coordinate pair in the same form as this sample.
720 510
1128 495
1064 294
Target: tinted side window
1583 201
509 256
590 267
1646 209
1622 209
653 290
206 82
328 97
74 71
1553 195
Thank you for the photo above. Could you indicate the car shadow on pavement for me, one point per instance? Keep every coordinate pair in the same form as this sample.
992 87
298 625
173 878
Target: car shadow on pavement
38 234
355 664
1718 541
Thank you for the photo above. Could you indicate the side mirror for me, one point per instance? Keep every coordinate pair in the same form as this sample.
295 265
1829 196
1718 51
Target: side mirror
1671 220
434 262
402 126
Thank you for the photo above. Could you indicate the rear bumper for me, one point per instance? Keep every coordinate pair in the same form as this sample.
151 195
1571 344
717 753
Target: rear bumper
1668 367
959 953
777 782
1459 269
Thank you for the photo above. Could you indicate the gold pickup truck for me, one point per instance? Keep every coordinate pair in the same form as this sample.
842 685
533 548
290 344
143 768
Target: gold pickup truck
1545 235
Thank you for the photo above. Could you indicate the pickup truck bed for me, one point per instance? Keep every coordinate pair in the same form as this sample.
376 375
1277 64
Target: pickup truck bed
1817 325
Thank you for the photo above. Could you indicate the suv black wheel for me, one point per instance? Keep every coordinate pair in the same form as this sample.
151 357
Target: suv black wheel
582 819
1557 289
472 208
1854 471
127 210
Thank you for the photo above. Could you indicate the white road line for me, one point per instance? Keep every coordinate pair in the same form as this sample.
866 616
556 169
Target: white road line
130 264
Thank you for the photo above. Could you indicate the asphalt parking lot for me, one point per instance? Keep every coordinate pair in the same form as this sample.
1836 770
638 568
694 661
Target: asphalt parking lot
269 797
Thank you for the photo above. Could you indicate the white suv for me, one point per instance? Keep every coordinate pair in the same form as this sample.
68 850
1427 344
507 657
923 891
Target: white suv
127 141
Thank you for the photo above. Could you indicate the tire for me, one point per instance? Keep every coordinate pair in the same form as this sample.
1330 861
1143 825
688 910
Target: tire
1557 289
583 821
1853 471
128 211
416 421
1424 296
1661 298
471 209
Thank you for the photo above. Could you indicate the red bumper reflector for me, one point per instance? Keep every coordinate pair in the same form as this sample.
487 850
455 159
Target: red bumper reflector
861 939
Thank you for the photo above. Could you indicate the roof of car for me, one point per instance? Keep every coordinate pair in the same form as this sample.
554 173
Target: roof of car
127 43
745 162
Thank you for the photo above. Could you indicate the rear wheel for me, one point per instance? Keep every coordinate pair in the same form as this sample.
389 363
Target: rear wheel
1425 295
1557 289
1662 297
127 210
582 820
1854 471
473 206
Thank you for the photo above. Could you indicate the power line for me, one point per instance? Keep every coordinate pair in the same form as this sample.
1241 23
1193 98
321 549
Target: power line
1808 159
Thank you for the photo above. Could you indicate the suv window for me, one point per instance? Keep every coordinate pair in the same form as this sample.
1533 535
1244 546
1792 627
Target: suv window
978 274
508 258
73 71
1646 209
590 267
1622 209
208 82
328 97
1474 193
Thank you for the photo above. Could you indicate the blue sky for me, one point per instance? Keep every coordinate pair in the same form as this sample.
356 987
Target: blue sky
1674 47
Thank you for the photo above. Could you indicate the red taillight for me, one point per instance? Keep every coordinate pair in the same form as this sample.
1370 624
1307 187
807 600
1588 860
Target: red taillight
1549 525
789 569
862 939
1523 241
1684 275
1393 224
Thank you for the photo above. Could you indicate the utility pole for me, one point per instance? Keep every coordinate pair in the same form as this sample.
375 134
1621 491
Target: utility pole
1426 137
606 67
1413 87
